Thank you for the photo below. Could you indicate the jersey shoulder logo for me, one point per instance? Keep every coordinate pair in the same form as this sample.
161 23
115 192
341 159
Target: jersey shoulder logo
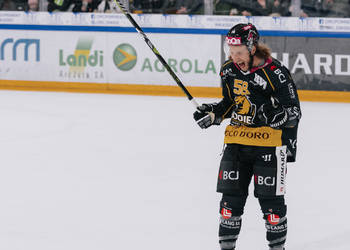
225 72
279 73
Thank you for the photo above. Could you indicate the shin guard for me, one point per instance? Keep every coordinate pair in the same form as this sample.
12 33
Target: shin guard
231 209
275 211
276 232
229 231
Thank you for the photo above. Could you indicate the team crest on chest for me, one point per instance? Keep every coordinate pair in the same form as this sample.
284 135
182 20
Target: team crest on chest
245 112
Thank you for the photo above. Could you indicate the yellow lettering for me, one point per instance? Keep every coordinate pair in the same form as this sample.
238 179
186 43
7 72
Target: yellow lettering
240 87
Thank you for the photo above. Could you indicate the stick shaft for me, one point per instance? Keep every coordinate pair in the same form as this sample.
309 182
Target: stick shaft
155 51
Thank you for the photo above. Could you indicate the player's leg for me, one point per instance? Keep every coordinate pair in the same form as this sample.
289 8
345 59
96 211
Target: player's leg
231 210
269 180
233 181
275 210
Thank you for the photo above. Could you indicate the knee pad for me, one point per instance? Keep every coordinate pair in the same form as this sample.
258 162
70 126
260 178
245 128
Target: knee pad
233 205
273 206
231 209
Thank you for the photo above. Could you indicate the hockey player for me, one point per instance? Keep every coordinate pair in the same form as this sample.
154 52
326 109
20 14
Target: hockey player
261 101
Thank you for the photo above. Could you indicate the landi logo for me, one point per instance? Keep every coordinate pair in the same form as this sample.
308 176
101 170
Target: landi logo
83 63
125 57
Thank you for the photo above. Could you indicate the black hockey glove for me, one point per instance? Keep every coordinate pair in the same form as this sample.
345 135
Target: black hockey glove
274 116
205 117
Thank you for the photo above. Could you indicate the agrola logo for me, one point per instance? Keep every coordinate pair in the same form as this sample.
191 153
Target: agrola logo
124 57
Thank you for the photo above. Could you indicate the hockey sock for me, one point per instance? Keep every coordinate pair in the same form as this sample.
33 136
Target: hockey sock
231 209
276 233
228 232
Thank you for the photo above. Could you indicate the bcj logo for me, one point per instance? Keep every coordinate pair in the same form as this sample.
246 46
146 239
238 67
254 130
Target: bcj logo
125 57
17 45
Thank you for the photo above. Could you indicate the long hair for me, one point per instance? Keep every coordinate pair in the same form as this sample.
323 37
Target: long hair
262 51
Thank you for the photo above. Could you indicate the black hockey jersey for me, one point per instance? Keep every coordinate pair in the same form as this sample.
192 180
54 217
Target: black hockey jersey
245 92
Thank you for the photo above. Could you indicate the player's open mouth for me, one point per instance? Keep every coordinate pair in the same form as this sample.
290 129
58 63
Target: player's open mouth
241 64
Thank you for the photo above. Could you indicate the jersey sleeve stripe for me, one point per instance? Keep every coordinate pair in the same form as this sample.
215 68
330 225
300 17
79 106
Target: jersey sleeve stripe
228 91
268 78
223 116
226 63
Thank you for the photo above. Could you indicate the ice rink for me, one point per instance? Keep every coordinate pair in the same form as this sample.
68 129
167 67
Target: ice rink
114 172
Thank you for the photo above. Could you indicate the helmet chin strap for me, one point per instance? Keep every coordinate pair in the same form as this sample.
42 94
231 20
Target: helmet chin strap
251 59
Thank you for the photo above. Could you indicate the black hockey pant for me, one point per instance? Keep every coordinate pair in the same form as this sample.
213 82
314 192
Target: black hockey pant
268 167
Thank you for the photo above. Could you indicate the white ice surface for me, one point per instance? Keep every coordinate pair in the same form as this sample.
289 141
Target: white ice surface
113 172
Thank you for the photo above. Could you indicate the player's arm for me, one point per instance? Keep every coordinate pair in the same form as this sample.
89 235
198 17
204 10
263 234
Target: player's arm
284 109
213 113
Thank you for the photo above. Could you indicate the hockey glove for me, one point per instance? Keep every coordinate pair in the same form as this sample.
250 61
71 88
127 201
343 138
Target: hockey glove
273 116
205 117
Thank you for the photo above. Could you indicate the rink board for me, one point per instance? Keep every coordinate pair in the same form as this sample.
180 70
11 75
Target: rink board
104 54
155 90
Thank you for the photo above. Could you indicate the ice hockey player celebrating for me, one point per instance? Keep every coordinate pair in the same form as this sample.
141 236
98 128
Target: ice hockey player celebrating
260 98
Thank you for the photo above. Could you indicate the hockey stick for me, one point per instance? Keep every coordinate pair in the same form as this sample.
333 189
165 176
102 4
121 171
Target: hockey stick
155 51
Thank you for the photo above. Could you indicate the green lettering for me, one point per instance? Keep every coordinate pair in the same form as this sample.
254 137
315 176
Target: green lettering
93 59
196 67
162 69
172 63
210 67
183 68
101 58
71 60
82 60
146 65
62 63
196 70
